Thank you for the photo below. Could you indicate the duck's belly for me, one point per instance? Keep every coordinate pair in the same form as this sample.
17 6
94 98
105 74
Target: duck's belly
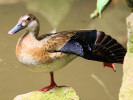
49 66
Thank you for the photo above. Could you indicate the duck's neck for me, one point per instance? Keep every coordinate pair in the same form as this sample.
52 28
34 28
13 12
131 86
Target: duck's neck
34 31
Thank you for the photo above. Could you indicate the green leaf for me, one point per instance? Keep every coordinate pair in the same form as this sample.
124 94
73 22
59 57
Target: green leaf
100 5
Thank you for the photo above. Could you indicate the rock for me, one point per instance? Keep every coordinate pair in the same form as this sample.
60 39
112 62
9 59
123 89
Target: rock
126 91
58 93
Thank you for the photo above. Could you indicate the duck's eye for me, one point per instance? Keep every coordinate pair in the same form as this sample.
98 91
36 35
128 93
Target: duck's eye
29 18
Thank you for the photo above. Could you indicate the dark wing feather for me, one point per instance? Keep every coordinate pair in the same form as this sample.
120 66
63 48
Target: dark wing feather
72 47
80 43
107 49
95 45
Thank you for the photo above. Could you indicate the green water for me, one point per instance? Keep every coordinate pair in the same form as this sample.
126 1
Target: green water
90 79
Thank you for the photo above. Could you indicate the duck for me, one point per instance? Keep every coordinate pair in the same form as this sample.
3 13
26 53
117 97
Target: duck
53 51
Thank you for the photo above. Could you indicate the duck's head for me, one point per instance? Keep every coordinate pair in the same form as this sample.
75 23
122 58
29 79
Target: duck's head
28 22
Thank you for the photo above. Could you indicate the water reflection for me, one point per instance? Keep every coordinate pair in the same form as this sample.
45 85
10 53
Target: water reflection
62 15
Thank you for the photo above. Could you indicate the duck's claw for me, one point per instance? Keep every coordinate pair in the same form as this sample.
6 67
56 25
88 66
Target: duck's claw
111 65
48 88
52 84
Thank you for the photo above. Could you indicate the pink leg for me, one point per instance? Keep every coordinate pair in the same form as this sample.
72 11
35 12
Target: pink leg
52 84
111 65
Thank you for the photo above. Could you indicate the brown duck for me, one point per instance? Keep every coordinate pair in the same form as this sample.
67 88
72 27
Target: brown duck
50 52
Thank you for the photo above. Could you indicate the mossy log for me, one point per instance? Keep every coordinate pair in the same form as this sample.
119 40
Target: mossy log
126 91
58 93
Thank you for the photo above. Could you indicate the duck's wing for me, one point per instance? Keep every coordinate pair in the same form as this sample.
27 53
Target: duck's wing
90 44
